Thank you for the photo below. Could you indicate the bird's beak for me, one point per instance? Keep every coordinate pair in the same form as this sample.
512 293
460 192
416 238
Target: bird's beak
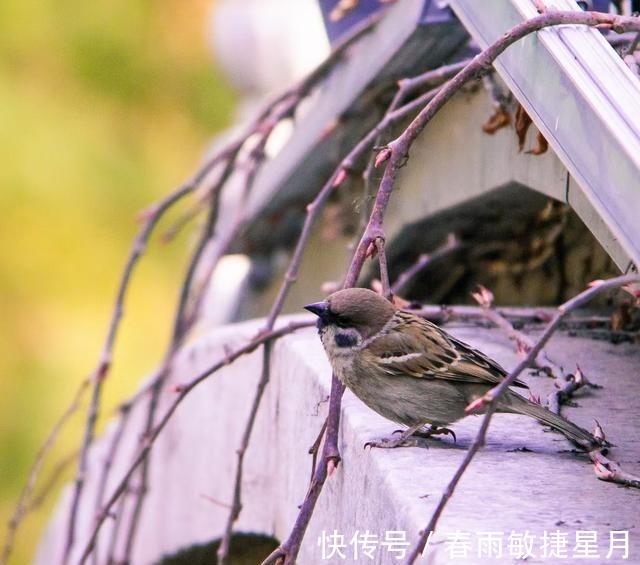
318 308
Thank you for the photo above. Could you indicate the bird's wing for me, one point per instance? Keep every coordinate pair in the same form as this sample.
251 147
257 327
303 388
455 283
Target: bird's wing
415 347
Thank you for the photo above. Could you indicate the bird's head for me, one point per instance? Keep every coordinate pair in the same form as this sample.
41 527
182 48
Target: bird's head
349 317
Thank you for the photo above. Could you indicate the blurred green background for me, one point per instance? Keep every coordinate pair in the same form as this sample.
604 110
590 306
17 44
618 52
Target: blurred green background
104 107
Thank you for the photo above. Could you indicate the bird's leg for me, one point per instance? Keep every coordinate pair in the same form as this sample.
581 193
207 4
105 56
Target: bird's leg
403 440
434 430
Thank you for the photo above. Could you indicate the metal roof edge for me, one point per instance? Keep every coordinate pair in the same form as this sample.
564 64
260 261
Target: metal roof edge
584 100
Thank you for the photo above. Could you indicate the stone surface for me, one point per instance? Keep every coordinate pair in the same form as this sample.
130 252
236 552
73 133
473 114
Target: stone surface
546 489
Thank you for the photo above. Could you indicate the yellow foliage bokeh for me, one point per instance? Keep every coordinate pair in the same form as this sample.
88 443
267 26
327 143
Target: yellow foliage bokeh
104 107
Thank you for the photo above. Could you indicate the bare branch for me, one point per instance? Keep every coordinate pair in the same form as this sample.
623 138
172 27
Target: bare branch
150 220
24 503
452 244
234 514
632 46
523 342
394 155
125 412
490 399
610 471
182 392
50 482
384 269
283 106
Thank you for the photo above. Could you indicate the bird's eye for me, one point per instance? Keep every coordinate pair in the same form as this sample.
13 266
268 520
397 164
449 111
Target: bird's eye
342 322
339 320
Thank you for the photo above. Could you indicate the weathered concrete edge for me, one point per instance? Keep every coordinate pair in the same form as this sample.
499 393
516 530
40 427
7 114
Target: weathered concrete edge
379 491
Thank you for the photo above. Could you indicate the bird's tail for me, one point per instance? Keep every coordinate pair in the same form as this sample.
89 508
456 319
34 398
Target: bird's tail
574 433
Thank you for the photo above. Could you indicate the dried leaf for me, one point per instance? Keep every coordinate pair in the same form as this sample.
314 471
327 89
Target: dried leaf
541 145
498 120
523 121
621 317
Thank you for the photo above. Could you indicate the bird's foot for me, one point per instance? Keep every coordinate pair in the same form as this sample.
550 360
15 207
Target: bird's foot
435 431
393 442
407 438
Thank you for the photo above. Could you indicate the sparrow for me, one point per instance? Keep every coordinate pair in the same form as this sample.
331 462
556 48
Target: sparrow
414 373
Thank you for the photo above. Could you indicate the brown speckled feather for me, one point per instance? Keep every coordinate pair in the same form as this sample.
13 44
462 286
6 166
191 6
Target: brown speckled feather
425 351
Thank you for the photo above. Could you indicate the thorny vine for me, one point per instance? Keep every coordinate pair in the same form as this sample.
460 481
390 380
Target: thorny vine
214 176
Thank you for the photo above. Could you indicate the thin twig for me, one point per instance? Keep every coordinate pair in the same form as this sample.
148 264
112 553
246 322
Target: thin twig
50 482
236 506
632 46
523 342
125 412
117 515
384 269
24 503
394 155
330 455
185 218
150 220
315 447
565 387
610 471
182 392
255 160
517 315
489 401
424 260
281 108
181 325
604 468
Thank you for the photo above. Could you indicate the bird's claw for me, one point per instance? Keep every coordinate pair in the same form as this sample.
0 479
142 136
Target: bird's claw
392 443
436 430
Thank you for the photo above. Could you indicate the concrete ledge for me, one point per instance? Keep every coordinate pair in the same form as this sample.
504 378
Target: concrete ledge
546 489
